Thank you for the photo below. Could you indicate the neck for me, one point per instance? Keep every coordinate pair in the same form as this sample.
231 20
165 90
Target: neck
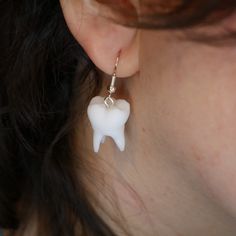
155 191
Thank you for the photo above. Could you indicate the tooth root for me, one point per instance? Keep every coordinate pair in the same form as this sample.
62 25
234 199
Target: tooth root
119 138
97 139
103 139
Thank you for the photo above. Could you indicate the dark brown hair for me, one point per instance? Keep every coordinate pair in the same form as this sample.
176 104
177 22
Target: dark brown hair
41 67
169 14
188 16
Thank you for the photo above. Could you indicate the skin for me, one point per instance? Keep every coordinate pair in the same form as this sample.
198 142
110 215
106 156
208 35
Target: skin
177 175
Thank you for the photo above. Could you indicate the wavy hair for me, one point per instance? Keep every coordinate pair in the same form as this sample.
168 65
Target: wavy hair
42 67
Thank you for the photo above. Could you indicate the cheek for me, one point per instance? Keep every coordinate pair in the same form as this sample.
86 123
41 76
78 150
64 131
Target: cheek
196 119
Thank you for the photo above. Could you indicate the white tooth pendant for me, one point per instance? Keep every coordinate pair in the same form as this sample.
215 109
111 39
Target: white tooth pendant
108 117
108 121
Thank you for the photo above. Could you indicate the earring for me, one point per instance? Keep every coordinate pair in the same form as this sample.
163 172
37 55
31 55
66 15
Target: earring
108 116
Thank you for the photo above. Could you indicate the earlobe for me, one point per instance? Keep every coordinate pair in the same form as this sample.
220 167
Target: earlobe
102 39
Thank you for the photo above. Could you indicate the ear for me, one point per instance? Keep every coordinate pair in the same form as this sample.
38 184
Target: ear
101 38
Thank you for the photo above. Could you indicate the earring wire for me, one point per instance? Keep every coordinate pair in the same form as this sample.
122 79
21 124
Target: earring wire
109 101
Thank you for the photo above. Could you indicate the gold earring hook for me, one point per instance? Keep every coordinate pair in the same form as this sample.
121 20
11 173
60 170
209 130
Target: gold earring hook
109 101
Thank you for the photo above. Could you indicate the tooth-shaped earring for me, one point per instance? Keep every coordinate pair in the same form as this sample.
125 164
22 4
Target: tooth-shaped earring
108 116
